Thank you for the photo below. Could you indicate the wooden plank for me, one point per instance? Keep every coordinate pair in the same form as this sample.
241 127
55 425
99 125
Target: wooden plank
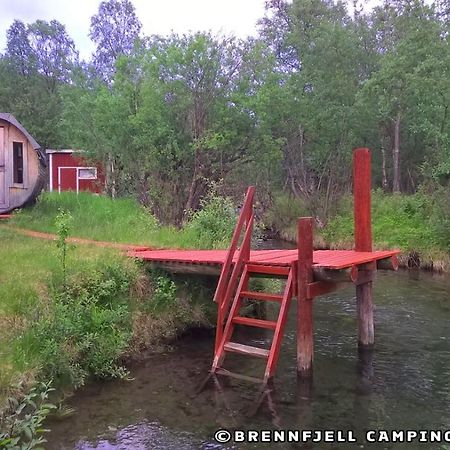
270 270
258 323
279 330
186 268
244 217
305 340
238 376
225 300
330 259
261 296
246 350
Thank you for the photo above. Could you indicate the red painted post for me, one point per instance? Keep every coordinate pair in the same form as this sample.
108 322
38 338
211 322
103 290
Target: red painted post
305 339
362 185
363 242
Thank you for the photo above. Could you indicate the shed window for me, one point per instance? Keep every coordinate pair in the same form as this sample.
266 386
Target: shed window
18 162
87 173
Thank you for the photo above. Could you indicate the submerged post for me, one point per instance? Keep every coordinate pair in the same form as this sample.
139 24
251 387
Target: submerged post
305 341
363 242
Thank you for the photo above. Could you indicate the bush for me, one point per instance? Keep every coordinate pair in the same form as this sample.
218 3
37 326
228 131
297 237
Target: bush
284 213
86 329
21 424
213 225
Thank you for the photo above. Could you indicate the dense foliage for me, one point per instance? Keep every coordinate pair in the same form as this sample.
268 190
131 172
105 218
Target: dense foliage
168 116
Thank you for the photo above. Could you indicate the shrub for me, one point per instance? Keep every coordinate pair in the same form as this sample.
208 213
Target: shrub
213 225
86 329
21 424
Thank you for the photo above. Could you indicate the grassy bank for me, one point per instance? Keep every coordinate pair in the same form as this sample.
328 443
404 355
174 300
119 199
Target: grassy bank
418 225
124 221
108 310
89 316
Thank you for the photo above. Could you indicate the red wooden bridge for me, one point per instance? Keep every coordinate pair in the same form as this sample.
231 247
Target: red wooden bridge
307 274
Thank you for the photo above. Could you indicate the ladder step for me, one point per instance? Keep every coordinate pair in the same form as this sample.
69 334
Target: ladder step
268 270
269 324
262 296
221 371
246 350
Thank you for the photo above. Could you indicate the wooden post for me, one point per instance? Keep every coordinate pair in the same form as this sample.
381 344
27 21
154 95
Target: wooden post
363 242
305 341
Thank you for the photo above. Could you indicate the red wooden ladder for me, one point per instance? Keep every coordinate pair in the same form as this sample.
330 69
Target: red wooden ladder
232 289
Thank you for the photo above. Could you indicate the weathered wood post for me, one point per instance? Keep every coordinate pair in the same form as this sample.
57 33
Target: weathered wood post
305 341
363 243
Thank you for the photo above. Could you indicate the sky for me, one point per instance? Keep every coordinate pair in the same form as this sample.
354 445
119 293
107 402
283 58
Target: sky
236 17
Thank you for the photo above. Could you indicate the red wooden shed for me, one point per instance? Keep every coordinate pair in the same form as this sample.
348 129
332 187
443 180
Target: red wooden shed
70 171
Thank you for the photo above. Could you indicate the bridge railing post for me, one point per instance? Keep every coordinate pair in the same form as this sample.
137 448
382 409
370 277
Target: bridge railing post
363 242
229 274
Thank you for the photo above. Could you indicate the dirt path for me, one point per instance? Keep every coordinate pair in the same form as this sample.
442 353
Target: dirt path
75 240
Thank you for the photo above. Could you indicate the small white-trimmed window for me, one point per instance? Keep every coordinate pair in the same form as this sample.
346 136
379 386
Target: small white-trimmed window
18 162
87 173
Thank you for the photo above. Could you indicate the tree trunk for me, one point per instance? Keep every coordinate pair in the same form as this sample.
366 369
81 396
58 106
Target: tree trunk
190 200
384 181
396 155
110 177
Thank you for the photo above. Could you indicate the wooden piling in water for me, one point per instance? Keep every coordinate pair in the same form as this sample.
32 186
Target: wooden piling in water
363 242
305 339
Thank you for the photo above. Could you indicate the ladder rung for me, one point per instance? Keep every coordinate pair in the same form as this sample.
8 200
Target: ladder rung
246 350
221 371
268 270
269 324
262 296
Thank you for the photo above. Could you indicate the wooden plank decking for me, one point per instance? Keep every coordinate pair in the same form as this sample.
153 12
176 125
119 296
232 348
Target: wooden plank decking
328 259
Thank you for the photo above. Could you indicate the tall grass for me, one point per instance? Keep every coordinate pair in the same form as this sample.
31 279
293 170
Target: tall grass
412 223
125 221
95 217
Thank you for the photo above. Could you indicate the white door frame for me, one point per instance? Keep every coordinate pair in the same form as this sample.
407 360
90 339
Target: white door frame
77 176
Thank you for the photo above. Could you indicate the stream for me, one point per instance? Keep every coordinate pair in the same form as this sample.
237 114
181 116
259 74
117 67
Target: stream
403 385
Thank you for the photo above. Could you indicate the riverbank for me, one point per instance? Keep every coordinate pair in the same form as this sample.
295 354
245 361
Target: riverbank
86 323
418 225
89 316
405 385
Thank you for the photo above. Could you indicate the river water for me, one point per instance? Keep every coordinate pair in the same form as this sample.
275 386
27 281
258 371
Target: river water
403 385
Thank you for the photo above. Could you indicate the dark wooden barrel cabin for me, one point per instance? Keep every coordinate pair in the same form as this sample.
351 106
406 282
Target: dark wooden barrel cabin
22 165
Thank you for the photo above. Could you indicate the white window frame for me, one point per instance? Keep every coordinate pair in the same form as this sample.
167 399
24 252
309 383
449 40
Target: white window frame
92 169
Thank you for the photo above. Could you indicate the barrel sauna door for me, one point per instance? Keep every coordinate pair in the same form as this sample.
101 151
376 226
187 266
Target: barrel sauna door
4 200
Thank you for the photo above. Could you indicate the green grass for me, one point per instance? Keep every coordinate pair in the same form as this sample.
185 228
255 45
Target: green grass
411 223
29 269
66 320
110 309
125 221
71 328
95 217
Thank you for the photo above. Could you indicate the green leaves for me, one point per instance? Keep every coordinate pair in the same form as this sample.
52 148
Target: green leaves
21 424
